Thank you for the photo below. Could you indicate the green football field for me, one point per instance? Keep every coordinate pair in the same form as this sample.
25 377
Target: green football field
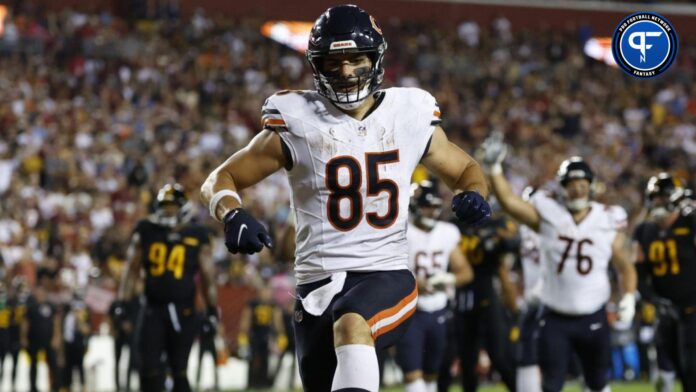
570 387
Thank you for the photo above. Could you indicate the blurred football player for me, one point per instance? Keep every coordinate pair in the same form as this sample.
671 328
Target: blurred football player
439 266
480 317
578 239
349 149
528 377
665 249
171 250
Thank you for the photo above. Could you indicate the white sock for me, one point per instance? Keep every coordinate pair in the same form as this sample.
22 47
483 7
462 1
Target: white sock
431 386
529 379
665 381
357 368
605 389
416 386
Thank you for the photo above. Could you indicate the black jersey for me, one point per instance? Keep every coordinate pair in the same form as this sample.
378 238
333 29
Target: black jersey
261 321
170 259
671 254
484 247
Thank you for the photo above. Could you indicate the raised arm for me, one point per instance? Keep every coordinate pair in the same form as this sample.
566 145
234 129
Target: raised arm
492 154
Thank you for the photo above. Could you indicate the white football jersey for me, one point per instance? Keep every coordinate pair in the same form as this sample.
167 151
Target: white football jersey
576 256
350 179
429 253
530 257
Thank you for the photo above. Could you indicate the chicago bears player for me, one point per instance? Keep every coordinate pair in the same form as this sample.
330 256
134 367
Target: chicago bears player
578 239
528 376
349 149
171 251
665 249
439 265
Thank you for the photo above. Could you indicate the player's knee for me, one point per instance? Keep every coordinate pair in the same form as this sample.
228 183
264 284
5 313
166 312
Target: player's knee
351 328
413 376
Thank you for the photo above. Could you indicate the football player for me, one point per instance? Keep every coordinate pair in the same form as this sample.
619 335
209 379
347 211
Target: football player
479 315
528 375
578 239
171 250
349 149
439 266
665 249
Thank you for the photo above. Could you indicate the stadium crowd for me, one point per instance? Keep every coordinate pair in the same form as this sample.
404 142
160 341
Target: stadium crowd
97 113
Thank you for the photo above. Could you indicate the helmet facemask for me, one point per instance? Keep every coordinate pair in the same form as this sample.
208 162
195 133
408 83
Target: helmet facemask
333 85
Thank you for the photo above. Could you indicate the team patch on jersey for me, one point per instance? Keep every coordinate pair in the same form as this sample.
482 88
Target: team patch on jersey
191 241
682 231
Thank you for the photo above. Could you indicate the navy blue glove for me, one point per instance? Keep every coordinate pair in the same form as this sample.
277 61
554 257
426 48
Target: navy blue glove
244 234
471 208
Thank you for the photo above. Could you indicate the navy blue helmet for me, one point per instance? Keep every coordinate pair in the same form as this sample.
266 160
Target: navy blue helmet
346 29
574 168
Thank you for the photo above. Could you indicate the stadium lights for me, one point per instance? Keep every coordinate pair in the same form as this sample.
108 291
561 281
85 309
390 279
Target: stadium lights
291 33
599 48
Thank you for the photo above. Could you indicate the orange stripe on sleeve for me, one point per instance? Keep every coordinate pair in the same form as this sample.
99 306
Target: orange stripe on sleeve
274 122
436 114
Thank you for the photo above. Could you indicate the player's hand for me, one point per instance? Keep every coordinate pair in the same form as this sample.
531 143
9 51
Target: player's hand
441 281
492 153
627 308
471 208
282 342
244 234
243 346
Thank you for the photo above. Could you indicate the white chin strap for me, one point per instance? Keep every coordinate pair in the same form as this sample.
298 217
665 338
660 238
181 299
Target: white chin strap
577 204
348 101
428 223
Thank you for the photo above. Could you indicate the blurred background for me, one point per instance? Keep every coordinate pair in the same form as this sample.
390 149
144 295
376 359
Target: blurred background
104 101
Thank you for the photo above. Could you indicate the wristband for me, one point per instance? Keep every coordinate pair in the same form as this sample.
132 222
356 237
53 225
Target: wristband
215 200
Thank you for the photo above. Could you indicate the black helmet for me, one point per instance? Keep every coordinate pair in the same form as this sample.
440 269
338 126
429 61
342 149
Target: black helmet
346 29
424 194
664 184
171 193
574 168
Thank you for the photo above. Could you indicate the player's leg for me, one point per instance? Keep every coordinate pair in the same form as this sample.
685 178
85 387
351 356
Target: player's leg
152 345
528 373
667 347
409 353
688 337
496 332
314 343
444 378
469 343
592 343
373 311
554 350
435 348
180 336
33 352
118 349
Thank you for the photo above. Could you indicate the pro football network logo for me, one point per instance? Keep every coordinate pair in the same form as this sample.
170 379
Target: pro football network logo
644 44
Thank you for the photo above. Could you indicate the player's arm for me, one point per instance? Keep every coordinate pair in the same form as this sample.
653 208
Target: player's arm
627 271
623 264
519 209
262 157
279 327
244 328
131 273
642 273
509 292
56 339
453 165
205 264
460 267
